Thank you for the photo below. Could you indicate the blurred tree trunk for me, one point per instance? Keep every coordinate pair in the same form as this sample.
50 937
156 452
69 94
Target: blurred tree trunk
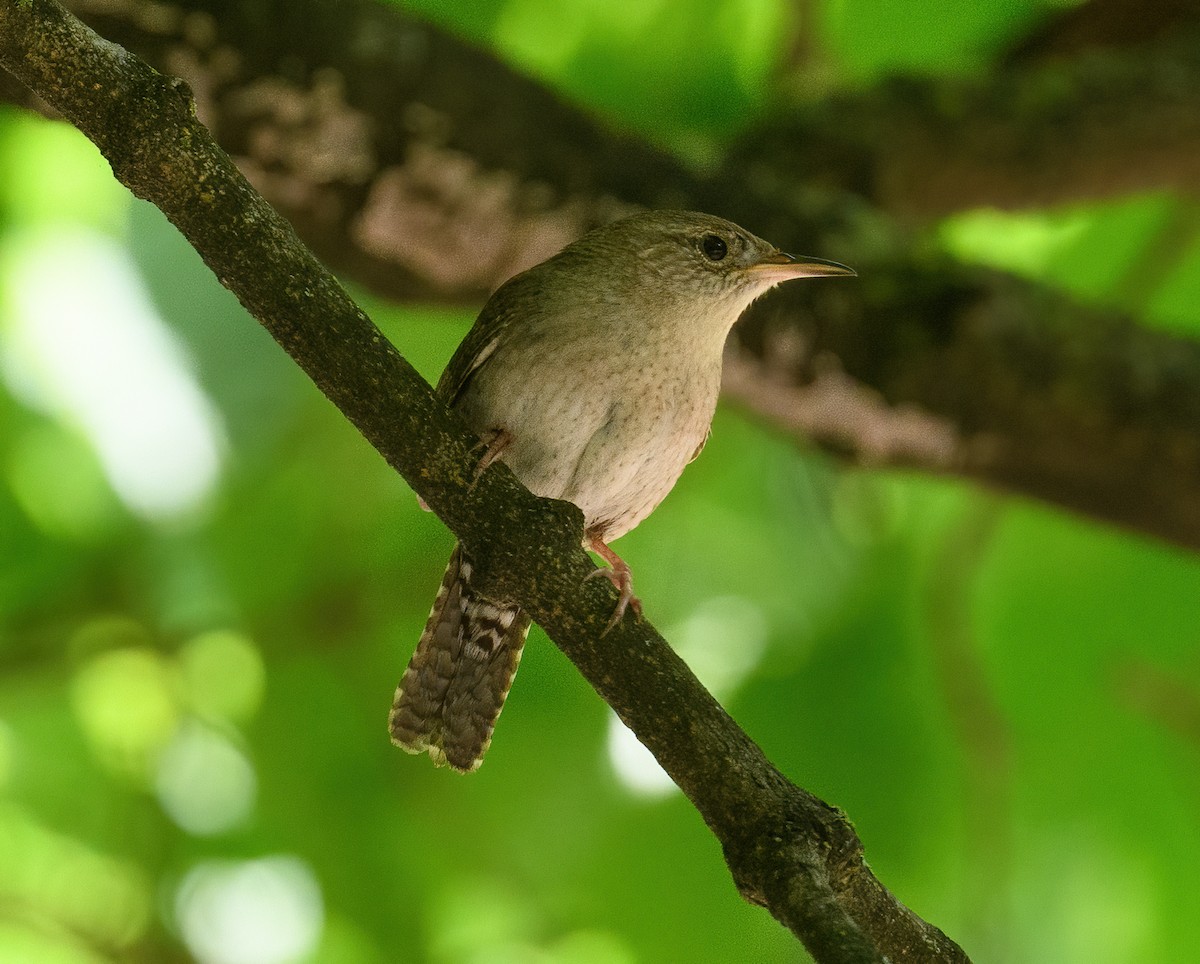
427 170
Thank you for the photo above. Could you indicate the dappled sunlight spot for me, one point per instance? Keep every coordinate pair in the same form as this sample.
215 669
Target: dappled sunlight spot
51 171
1087 901
69 885
20 943
266 911
1108 910
476 921
634 765
1025 242
591 947
126 701
722 640
473 918
548 43
58 484
223 675
204 782
95 354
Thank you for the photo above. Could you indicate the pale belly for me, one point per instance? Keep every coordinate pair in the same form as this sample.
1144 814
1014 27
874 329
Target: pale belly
614 446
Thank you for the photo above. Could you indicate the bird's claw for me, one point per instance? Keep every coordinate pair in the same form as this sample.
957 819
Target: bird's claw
493 444
622 579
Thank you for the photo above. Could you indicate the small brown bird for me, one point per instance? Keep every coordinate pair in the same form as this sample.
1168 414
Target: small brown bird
594 376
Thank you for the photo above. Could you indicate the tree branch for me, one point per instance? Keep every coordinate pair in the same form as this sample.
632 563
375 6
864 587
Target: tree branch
1101 124
785 847
985 376
1103 23
416 163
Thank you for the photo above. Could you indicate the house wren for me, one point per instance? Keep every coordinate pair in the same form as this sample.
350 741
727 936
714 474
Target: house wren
594 376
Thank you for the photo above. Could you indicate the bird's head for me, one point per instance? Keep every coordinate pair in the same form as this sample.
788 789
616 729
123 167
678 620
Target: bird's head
686 265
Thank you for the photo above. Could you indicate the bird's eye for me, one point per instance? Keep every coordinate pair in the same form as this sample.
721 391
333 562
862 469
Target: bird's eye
714 248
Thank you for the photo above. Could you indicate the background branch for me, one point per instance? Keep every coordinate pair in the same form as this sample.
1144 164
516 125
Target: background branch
1103 23
981 375
785 847
1100 124
427 170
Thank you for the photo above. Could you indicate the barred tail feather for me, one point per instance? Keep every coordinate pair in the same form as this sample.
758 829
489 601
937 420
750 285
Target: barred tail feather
456 682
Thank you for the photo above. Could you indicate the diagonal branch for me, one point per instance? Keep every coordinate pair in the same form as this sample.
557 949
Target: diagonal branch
786 849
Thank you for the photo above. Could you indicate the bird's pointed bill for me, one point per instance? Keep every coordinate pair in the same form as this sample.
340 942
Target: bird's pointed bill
781 266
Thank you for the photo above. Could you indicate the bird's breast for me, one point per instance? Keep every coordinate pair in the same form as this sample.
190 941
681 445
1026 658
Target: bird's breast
610 430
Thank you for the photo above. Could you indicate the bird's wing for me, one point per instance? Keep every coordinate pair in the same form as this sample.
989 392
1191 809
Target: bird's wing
471 355
485 336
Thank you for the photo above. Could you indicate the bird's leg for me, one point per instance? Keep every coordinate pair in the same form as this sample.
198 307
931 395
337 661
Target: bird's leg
619 575
493 442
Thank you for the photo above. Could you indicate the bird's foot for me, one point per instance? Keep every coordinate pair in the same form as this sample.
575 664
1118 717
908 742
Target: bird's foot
493 443
620 576
627 600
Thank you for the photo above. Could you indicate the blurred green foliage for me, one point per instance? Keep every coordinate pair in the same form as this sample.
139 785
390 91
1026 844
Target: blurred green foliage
209 585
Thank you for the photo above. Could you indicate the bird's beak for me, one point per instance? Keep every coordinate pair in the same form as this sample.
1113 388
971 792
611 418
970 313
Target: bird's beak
781 266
